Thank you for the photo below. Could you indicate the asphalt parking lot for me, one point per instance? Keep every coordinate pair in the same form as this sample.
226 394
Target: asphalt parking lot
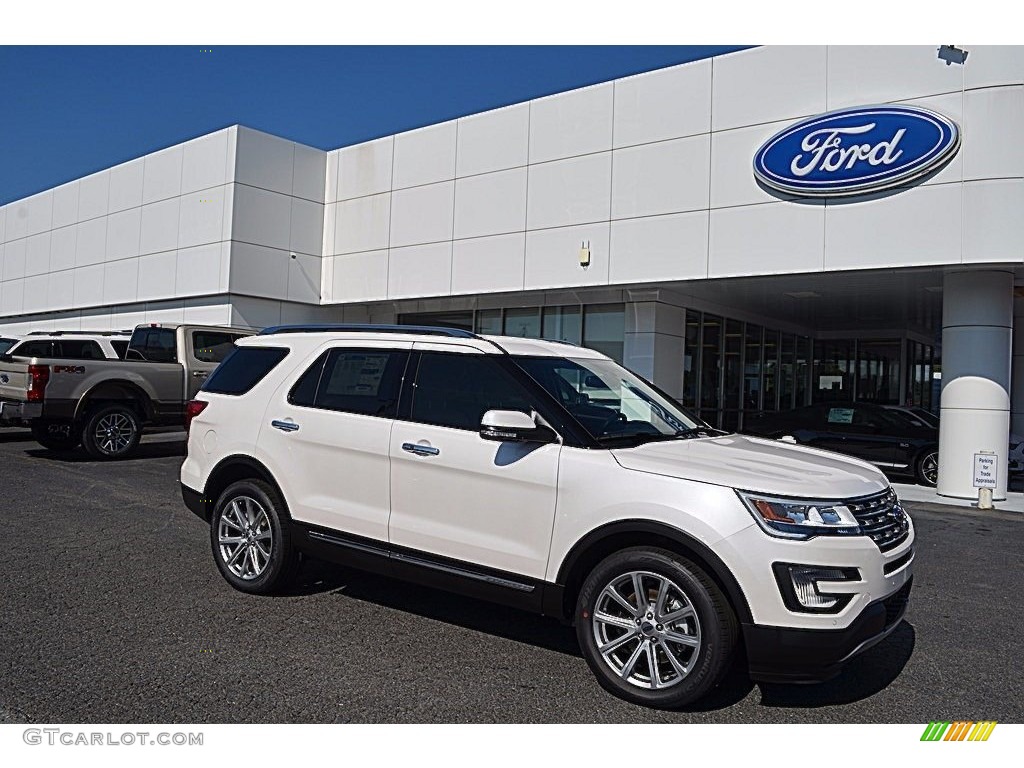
113 611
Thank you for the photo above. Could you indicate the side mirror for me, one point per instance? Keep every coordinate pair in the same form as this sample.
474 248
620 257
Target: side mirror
514 426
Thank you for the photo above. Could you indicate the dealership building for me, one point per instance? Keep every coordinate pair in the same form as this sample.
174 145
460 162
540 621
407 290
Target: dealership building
766 229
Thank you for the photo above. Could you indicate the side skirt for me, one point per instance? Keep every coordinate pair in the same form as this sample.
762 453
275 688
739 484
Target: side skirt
470 579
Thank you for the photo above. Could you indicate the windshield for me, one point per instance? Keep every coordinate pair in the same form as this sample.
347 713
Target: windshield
6 344
611 403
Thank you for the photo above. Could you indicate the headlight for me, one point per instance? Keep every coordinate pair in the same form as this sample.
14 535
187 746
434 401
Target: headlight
800 519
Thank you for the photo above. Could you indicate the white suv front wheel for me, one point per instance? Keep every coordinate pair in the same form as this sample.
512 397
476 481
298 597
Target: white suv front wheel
250 537
654 628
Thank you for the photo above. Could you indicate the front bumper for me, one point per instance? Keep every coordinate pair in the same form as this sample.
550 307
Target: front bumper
788 655
14 412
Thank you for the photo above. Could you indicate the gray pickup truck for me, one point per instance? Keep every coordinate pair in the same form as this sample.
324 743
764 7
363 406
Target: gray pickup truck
103 405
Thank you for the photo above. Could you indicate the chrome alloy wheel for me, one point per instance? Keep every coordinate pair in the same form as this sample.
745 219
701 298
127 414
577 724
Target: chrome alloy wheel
646 630
114 432
930 468
245 538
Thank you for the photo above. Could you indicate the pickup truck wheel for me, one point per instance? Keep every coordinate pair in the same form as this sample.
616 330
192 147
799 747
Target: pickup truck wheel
251 539
111 432
654 628
56 435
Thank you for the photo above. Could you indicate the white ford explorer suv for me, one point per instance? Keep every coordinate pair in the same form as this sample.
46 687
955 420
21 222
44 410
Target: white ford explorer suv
546 477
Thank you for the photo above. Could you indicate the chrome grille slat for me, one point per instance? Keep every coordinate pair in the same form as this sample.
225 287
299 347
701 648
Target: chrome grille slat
881 518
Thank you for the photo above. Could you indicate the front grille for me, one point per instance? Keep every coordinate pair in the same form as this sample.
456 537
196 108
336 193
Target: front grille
896 604
882 518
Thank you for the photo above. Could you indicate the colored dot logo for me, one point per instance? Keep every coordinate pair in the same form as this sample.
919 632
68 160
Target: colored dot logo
206 50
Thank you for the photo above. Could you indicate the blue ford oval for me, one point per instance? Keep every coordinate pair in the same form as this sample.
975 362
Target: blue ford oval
858 150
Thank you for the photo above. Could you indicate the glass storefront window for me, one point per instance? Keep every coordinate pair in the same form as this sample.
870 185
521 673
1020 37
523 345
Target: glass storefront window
488 321
604 329
787 372
801 368
832 379
711 369
463 320
878 371
564 324
524 322
771 367
753 367
691 359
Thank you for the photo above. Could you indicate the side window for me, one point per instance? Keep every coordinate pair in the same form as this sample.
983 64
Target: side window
243 369
157 345
34 349
363 381
78 349
456 390
120 347
212 346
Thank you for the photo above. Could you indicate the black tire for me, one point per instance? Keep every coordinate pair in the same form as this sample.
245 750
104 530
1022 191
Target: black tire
714 628
277 570
60 436
926 468
111 432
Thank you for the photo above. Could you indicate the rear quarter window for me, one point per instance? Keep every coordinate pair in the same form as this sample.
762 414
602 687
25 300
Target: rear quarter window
243 369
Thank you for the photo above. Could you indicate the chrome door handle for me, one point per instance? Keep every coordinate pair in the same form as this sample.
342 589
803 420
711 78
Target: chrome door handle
198 374
421 450
284 426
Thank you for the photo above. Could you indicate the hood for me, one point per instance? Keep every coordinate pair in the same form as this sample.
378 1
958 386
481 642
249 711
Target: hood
755 464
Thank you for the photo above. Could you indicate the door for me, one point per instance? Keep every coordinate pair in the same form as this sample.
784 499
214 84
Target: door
456 495
326 434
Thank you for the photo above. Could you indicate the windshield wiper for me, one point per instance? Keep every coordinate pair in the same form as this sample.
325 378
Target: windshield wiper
645 437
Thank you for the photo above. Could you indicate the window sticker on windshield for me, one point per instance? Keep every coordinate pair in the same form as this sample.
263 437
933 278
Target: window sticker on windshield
840 415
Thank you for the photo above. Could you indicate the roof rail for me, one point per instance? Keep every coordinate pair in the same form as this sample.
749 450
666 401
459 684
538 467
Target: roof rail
78 333
426 330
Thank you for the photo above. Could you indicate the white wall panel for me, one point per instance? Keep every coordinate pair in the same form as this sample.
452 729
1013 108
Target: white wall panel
666 104
766 84
63 244
93 194
12 294
126 182
201 220
360 276
659 248
307 225
992 221
120 281
157 275
204 162
918 226
330 227
162 175
952 106
493 141
425 156
258 270
261 217
362 224
308 173
65 205
264 161
159 226
37 254
422 214
873 74
331 178
420 270
574 123
3 224
365 169
666 177
89 285
40 213
488 264
993 127
491 203
199 270
14 259
206 312
123 232
165 312
989 65
570 191
60 289
766 239
552 256
35 295
248 312
304 278
92 242
16 221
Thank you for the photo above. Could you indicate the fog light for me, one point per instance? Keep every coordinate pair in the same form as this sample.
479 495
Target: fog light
800 590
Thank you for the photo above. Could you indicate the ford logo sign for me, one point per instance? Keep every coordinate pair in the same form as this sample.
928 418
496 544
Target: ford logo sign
852 151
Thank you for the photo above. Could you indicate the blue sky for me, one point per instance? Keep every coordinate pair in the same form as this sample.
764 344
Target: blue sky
70 111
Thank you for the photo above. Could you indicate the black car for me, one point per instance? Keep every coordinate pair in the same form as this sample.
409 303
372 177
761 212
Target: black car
888 438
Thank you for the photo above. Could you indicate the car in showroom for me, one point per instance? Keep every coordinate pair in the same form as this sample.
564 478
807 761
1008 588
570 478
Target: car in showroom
893 441
546 477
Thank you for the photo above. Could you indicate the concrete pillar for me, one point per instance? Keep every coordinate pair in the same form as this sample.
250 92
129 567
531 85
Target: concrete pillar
1017 374
654 343
977 323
